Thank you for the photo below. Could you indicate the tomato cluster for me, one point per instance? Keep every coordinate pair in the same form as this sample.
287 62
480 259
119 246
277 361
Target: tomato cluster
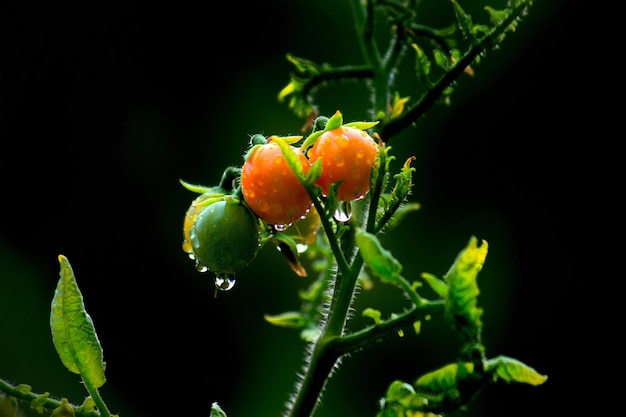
274 193
223 227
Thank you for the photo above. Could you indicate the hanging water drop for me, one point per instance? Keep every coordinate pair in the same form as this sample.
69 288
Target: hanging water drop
200 267
343 212
224 282
281 227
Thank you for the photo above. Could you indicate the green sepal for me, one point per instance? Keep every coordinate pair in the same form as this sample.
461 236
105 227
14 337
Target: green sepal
201 189
334 122
361 125
314 172
291 158
310 140
290 140
512 370
461 303
73 332
379 260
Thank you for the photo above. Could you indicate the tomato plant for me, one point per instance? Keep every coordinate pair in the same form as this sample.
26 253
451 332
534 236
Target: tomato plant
269 187
348 155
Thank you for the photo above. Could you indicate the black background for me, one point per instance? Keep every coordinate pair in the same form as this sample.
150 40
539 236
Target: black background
104 106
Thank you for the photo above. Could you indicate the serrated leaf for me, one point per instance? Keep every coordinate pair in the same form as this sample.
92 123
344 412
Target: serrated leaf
461 303
512 370
379 260
73 332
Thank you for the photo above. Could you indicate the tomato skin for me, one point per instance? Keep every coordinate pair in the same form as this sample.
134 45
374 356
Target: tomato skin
348 155
270 188
225 237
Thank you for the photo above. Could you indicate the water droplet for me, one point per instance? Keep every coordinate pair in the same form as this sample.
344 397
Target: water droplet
281 227
224 282
339 161
343 212
301 247
200 267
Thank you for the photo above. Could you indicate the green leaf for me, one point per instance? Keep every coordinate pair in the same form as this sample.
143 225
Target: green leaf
73 332
443 379
463 291
379 260
511 370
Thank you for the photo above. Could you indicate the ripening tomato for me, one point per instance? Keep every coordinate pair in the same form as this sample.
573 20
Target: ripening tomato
348 155
270 188
225 236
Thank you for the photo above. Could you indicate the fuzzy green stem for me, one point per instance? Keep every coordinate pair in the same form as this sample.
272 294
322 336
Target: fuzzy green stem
49 404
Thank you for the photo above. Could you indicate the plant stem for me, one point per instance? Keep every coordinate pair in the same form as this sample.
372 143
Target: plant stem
22 392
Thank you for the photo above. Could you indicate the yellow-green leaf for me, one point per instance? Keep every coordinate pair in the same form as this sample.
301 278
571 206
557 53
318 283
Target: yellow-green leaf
512 370
73 332
461 303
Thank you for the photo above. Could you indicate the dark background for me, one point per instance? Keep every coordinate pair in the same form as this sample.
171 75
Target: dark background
104 106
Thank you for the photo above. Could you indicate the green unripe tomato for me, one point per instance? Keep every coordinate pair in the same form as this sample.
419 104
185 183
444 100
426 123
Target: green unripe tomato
225 237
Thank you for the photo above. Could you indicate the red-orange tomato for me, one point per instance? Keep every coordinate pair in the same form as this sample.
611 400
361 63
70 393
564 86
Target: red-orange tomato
270 188
348 155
